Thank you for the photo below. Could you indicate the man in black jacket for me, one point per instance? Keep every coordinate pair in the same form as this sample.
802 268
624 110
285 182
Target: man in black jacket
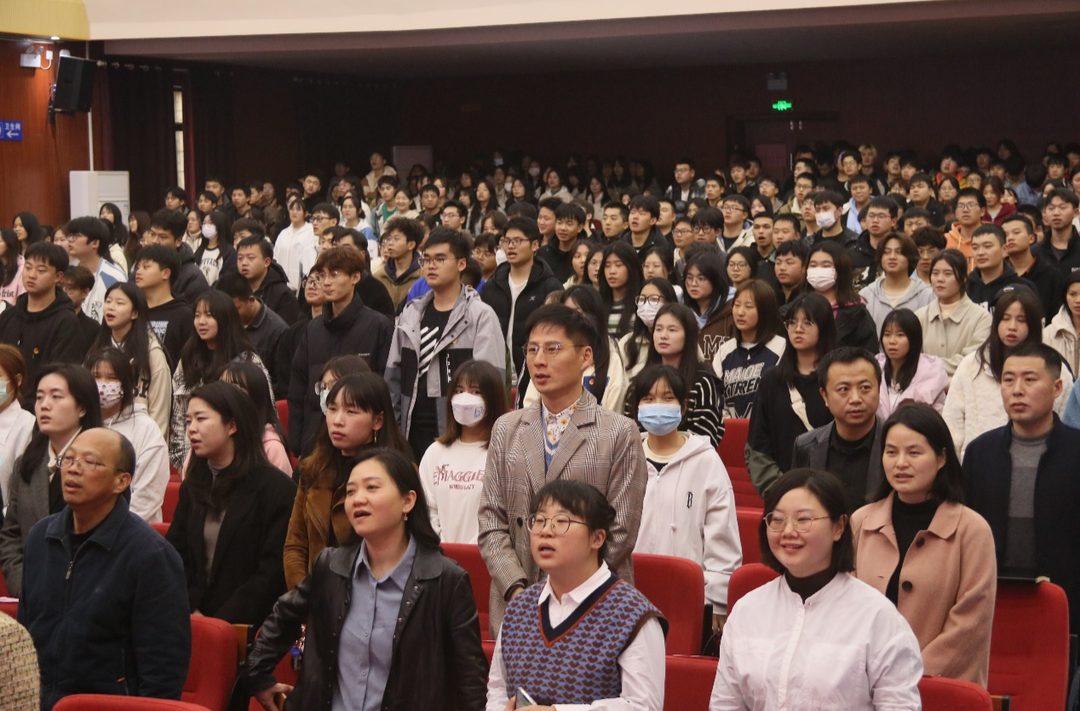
345 326
1022 477
559 252
991 273
255 261
171 318
264 327
167 227
1049 284
370 290
1061 245
42 323
850 446
519 286
644 234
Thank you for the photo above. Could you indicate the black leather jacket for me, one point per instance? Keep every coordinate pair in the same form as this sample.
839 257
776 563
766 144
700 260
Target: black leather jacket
437 663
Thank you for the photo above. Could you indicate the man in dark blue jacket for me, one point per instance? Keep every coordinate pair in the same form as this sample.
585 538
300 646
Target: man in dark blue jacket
1022 477
103 594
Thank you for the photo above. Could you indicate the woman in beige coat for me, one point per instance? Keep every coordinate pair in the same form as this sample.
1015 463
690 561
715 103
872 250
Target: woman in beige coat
945 582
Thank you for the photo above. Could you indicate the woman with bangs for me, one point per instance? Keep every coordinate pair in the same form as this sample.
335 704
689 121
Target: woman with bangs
359 417
741 362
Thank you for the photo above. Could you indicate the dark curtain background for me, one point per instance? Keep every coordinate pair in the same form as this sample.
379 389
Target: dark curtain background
211 110
140 96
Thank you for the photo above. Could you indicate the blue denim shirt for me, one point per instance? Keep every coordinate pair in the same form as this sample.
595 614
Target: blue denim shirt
367 637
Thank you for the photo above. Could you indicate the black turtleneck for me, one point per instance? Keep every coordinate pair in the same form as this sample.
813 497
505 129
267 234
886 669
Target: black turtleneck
907 520
811 584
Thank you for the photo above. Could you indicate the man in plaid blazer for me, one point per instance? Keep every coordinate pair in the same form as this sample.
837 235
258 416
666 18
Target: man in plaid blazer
565 434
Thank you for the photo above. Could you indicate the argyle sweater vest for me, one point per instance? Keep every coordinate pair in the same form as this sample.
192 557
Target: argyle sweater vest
578 661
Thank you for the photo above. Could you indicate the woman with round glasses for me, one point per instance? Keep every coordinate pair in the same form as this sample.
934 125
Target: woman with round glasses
582 611
634 346
929 554
814 638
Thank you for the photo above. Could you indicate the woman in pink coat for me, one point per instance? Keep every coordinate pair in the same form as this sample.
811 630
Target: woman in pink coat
928 553
908 374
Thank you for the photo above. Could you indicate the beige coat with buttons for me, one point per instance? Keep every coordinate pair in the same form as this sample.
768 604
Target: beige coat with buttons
947 583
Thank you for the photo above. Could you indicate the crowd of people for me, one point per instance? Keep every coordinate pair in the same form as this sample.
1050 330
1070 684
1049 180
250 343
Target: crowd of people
540 361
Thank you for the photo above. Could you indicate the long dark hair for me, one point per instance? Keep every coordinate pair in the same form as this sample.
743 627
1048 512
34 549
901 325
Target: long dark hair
30 223
136 345
845 286
593 249
925 420
233 405
588 301
768 324
251 379
83 389
908 323
477 213
628 256
816 308
118 229
202 364
10 260
992 352
118 361
642 332
689 365
365 391
401 470
134 239
710 266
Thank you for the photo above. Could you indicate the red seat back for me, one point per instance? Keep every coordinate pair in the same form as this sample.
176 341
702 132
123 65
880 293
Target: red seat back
102 702
1029 646
3 588
941 694
688 683
283 415
9 608
747 577
168 505
732 451
285 674
749 520
468 557
677 587
162 528
213 663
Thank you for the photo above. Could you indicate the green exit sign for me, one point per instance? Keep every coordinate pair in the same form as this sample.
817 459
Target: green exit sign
782 106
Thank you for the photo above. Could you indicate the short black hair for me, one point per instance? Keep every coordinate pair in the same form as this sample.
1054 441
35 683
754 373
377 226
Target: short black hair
259 242
929 236
253 227
52 254
329 209
570 211
94 229
793 220
526 226
807 176
647 203
82 278
413 230
1021 219
623 210
234 285
922 178
1037 349
172 221
828 490
522 209
989 228
859 178
845 355
829 196
1064 194
884 203
794 247
457 242
972 193
177 192
461 211
164 257
551 203
579 328
582 500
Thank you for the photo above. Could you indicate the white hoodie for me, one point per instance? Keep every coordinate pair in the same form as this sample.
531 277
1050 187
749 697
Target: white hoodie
151 475
689 512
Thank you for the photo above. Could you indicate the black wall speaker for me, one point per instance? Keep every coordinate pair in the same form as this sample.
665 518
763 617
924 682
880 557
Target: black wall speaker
74 84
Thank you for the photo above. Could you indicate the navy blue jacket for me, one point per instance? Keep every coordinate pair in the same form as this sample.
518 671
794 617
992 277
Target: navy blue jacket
113 619
987 479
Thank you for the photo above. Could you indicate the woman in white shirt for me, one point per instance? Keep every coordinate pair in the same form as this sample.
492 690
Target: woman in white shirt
116 384
816 637
689 508
452 469
581 611
16 424
293 242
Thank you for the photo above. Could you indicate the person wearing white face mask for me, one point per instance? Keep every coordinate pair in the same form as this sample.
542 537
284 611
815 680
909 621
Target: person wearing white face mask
829 274
828 211
634 346
452 469
689 507
215 255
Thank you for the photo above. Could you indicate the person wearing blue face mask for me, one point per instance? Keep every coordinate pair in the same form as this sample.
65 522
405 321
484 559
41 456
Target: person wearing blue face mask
359 417
689 508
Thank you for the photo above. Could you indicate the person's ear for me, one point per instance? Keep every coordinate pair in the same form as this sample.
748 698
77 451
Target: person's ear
597 538
122 482
838 527
408 501
230 428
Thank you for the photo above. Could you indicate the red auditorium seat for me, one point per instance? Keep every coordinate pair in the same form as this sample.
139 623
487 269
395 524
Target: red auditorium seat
941 694
161 528
213 663
283 415
468 557
747 577
102 702
1029 646
9 608
688 683
677 587
3 588
172 496
732 451
749 520
489 649
285 674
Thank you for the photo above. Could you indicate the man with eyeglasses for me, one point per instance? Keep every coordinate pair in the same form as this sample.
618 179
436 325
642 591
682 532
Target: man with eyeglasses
518 287
970 207
850 445
567 435
686 187
453 215
434 335
881 215
344 326
735 210
104 595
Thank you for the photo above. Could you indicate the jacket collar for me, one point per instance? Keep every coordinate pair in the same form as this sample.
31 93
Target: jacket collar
426 565
944 524
106 533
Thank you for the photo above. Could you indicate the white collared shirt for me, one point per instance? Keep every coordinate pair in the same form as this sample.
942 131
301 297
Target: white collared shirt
847 648
641 664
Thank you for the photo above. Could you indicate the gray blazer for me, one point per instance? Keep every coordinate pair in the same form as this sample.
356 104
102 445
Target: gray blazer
598 447
29 504
812 450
